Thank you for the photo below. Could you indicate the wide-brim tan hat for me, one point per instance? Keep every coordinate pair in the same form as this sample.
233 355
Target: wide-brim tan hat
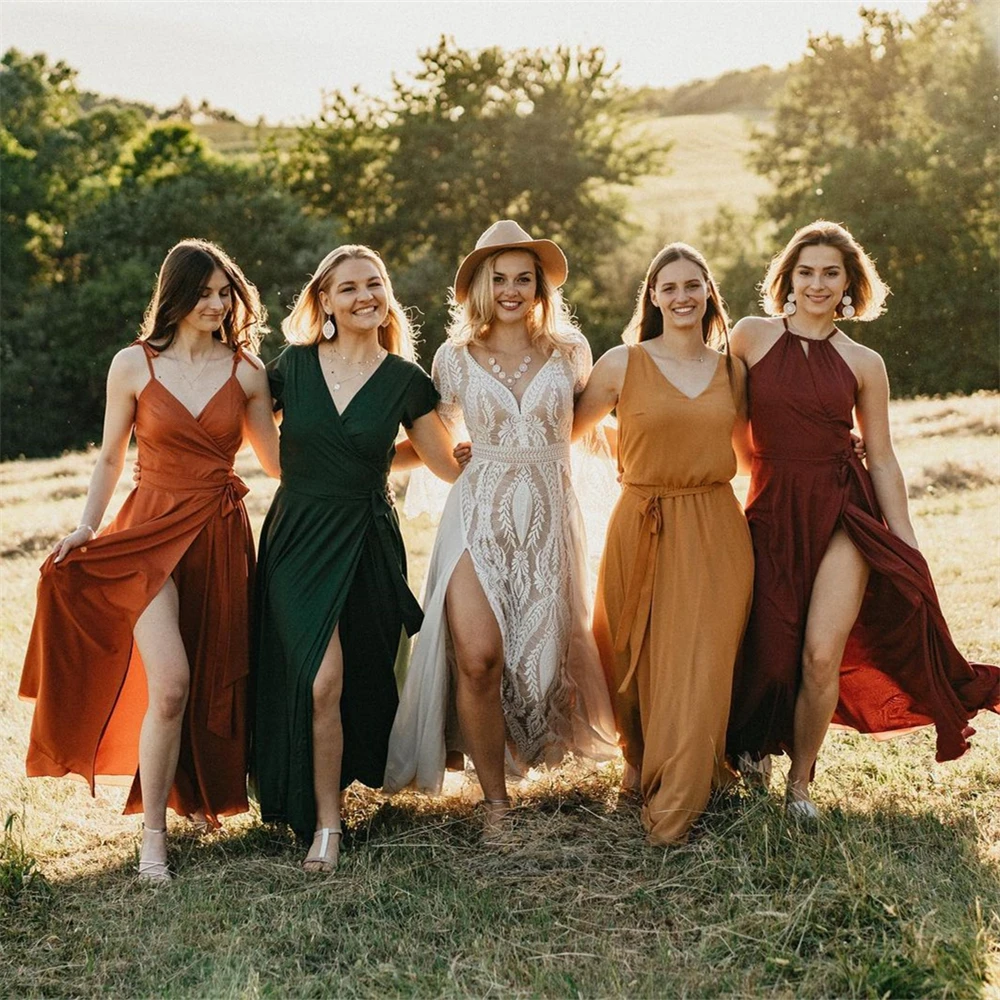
508 235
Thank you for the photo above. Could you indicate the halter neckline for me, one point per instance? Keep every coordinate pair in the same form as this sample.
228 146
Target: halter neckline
802 336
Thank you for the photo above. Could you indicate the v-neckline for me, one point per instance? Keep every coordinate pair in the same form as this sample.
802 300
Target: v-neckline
492 378
361 388
677 389
211 399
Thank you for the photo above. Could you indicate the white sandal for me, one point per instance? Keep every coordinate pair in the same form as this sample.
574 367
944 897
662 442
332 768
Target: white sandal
154 872
325 860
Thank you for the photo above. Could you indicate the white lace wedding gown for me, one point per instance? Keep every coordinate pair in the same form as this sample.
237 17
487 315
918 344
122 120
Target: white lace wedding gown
514 510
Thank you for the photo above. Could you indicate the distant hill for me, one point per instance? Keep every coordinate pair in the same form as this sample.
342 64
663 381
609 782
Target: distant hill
741 91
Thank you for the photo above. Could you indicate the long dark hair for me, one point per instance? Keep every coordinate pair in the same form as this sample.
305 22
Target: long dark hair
185 269
647 320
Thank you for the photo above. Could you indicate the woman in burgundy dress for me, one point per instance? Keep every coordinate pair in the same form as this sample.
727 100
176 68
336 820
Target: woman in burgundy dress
845 623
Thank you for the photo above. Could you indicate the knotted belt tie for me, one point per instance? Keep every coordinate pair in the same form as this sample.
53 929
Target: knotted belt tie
232 488
639 595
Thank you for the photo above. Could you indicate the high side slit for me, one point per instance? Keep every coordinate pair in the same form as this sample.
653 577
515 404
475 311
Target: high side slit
185 520
331 553
901 668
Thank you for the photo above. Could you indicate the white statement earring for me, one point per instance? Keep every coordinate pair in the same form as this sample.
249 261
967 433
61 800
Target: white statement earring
846 309
790 306
329 330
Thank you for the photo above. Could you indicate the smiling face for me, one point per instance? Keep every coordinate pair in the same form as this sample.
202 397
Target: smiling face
819 280
680 292
356 296
515 286
214 303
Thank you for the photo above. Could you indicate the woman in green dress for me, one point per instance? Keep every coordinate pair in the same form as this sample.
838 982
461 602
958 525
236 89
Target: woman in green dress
332 598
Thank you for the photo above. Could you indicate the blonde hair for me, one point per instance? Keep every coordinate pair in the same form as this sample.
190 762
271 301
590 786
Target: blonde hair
304 324
549 320
867 290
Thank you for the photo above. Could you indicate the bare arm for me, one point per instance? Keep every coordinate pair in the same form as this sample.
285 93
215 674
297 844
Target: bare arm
431 442
872 409
600 396
119 416
260 427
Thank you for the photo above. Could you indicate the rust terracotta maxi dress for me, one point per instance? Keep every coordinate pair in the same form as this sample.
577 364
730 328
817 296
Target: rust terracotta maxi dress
186 519
900 668
674 589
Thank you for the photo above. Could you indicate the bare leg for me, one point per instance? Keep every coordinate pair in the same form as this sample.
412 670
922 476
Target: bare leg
479 654
168 680
328 754
833 608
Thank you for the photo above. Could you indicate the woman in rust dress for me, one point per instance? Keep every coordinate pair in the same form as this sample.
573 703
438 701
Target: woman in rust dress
674 588
138 656
845 621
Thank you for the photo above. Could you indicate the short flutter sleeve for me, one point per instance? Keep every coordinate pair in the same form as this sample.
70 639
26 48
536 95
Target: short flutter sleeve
447 375
421 397
276 379
582 362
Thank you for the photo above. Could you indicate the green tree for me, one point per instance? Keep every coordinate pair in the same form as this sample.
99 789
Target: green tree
167 186
477 136
895 136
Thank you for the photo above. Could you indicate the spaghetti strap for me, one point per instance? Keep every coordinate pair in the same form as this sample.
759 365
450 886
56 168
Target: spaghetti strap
150 352
802 336
240 355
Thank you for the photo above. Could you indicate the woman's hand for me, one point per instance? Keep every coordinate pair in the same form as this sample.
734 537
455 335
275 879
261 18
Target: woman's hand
858 444
79 536
463 453
136 473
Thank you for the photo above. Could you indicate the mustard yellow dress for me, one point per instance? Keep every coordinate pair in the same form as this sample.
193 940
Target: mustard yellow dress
674 589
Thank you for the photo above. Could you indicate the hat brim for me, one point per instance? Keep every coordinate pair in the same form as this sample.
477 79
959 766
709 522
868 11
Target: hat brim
551 258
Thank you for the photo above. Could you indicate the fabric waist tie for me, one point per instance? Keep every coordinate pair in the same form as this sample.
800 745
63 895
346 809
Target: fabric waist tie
515 455
845 462
382 505
232 488
639 594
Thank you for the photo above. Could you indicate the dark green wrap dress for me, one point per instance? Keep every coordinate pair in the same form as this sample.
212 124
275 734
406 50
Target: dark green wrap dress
331 551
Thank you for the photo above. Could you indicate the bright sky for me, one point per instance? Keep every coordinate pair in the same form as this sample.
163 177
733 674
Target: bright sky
275 57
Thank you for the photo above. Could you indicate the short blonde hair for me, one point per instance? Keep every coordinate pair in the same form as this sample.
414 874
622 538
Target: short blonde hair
867 290
549 320
304 324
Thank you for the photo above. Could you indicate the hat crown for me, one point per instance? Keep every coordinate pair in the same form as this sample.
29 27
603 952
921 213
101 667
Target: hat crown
502 233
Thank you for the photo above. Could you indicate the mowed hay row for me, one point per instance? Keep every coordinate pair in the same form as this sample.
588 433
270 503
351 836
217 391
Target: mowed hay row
896 894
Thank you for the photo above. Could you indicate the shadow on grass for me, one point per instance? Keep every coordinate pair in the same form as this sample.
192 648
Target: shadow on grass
570 901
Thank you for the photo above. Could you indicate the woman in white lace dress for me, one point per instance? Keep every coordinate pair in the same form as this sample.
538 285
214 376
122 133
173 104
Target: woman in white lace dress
505 668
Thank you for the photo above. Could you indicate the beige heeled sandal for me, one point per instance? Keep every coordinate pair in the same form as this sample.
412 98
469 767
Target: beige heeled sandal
326 859
154 872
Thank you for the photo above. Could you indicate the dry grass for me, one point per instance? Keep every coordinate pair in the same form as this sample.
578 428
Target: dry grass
897 894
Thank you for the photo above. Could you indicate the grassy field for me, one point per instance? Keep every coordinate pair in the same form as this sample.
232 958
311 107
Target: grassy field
897 894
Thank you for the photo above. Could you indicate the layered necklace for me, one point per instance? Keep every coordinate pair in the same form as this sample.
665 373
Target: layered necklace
362 367
502 376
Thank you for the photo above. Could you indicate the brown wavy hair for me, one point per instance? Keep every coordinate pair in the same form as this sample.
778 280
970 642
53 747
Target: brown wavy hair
647 320
183 273
867 290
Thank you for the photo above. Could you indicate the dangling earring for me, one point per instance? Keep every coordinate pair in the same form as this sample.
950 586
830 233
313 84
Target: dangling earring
846 309
790 306
329 330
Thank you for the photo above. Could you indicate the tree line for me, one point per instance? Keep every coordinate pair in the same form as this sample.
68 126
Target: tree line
902 148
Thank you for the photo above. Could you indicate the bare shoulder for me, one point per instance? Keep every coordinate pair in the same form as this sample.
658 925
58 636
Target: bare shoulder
613 360
867 365
753 337
129 370
251 372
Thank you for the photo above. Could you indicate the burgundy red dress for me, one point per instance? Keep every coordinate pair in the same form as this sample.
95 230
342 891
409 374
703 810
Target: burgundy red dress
900 668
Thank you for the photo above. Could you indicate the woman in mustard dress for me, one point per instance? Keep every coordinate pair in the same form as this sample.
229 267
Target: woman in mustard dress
675 582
